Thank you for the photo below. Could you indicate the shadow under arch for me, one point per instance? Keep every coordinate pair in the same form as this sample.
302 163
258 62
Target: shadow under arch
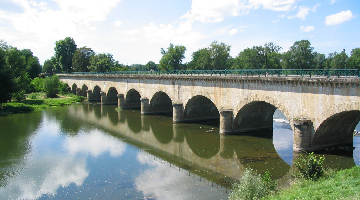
161 103
96 96
73 88
203 148
162 129
200 108
132 100
254 116
83 90
111 96
337 130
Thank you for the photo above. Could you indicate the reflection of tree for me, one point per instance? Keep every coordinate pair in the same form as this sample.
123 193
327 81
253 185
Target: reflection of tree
14 141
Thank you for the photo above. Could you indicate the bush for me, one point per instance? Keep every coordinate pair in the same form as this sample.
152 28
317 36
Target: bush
38 84
64 88
51 86
310 166
253 186
35 95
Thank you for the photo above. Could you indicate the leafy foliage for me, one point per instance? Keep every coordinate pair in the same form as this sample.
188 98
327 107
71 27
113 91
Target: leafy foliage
310 166
81 59
253 186
172 58
64 51
51 86
38 84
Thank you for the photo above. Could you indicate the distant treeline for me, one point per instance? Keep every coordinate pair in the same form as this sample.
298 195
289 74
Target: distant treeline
301 55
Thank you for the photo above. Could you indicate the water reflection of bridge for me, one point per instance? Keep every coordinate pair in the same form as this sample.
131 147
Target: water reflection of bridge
218 158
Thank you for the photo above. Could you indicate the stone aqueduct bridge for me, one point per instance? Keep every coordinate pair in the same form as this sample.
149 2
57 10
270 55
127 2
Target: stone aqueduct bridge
322 112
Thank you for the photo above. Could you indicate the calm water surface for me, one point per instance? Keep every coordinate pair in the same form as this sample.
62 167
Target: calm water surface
93 152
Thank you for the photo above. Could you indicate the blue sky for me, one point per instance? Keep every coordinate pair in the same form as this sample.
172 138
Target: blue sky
134 31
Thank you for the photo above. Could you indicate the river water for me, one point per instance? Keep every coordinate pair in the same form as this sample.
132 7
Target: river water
89 151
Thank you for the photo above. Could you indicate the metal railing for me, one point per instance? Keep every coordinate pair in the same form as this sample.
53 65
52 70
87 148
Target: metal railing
247 72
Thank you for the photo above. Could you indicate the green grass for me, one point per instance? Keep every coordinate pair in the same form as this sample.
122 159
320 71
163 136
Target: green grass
29 105
345 184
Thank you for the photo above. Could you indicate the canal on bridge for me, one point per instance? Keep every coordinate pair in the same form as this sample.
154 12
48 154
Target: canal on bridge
93 151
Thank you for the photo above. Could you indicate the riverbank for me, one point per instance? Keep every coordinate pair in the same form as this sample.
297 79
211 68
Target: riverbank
345 184
29 105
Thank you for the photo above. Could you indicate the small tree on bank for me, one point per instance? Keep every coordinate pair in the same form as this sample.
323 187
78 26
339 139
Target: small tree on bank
51 86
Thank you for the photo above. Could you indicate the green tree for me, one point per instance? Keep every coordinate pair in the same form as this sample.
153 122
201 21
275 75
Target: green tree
151 66
51 66
101 62
33 67
38 84
64 51
6 81
219 55
339 60
319 60
51 86
81 59
172 58
259 57
299 56
201 60
354 59
17 63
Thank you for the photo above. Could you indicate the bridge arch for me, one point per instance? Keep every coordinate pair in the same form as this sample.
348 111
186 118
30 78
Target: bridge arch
132 99
96 96
265 98
73 88
111 96
83 91
200 108
161 103
337 129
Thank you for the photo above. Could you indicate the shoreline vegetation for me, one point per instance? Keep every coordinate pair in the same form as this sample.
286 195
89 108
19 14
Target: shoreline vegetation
36 102
309 181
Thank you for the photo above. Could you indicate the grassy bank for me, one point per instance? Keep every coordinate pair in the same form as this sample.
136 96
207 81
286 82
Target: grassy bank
29 105
344 184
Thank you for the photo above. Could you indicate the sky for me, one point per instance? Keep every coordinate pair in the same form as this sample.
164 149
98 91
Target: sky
134 31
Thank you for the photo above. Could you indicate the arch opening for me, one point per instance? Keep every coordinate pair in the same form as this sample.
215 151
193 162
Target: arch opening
161 104
96 96
337 130
111 96
200 108
253 117
73 88
132 100
83 91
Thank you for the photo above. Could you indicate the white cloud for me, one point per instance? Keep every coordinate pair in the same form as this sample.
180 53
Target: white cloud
165 182
233 32
304 11
276 5
332 2
117 23
98 141
307 28
38 26
339 18
211 11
